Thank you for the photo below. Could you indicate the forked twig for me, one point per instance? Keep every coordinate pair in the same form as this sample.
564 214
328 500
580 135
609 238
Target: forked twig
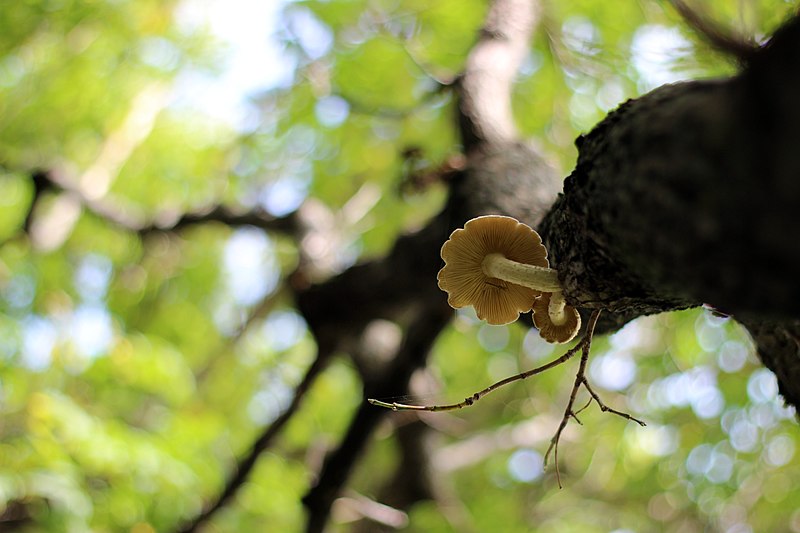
584 346
569 412
605 408
580 379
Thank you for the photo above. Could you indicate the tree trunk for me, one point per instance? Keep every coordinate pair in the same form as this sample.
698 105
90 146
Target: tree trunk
690 195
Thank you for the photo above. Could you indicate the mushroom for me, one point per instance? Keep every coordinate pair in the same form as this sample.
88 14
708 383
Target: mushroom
557 322
498 265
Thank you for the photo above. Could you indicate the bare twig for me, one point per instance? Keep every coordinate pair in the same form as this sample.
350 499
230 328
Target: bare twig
585 345
570 412
580 379
607 409
394 406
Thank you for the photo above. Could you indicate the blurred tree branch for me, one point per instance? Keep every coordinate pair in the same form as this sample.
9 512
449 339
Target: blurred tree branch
501 175
245 464
52 181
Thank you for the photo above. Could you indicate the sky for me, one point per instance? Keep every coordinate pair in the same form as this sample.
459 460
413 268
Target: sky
255 59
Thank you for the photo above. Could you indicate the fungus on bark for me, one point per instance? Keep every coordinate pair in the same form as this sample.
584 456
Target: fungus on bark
499 266
479 257
556 321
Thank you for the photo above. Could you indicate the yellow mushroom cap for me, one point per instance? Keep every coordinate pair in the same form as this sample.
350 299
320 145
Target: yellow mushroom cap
495 301
556 333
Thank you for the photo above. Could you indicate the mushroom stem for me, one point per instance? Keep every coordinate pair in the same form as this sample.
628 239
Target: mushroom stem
556 309
531 276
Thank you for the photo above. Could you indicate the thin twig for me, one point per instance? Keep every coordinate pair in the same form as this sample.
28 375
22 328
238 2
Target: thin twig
605 408
580 379
585 344
394 406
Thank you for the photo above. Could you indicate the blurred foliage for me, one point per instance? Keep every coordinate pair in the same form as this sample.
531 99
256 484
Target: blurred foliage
131 378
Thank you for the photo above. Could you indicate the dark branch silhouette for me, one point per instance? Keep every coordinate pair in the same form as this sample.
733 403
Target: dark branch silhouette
245 464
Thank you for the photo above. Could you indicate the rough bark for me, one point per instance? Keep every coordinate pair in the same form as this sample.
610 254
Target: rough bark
673 204
779 347
690 195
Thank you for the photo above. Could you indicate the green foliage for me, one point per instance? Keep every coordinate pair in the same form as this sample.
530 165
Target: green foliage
136 367
16 202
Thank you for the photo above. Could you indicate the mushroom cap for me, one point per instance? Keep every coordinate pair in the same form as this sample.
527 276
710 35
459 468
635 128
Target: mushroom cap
551 332
495 300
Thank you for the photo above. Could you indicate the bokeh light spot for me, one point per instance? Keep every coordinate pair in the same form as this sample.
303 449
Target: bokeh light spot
526 465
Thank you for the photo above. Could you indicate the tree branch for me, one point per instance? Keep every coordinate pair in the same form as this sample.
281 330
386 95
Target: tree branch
501 175
337 468
50 181
485 86
688 195
256 217
246 463
470 400
722 39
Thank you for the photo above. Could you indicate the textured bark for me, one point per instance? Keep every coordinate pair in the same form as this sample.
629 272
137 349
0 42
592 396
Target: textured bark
673 204
690 195
779 346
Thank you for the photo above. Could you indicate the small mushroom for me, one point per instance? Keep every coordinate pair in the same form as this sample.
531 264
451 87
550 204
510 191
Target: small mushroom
498 265
557 322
